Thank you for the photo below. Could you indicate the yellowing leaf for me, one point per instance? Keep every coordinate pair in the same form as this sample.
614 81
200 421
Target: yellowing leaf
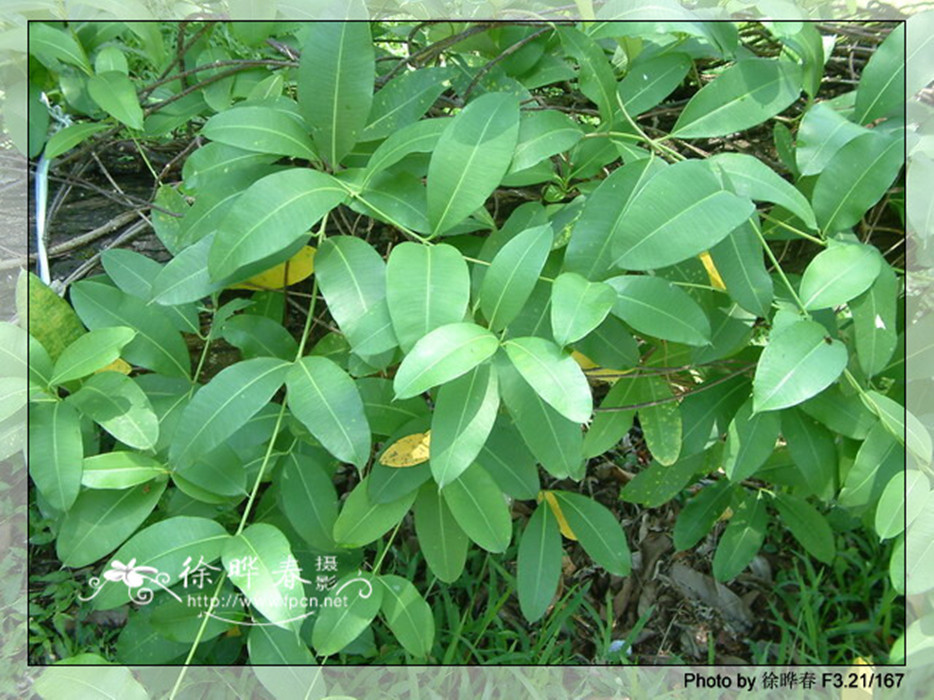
556 509
407 451
595 371
584 361
716 281
297 268
119 365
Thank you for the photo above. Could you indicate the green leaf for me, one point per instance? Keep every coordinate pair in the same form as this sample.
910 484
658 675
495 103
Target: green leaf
812 448
542 135
51 320
270 216
855 178
115 94
738 259
63 141
385 415
595 74
879 458
842 413
398 199
648 82
335 85
658 308
325 399
513 274
90 352
119 470
157 345
99 521
661 422
308 499
874 322
610 345
538 566
166 546
747 176
217 161
699 515
403 100
253 560
420 137
262 130
444 354
407 615
808 44
426 287
480 509
55 452
120 407
807 526
682 211
750 440
881 90
132 272
554 376
659 484
597 530
259 336
443 543
797 364
609 427
186 278
56 44
890 513
742 538
839 273
578 306
274 646
822 133
224 405
506 458
742 96
348 609
471 158
100 682
464 414
362 521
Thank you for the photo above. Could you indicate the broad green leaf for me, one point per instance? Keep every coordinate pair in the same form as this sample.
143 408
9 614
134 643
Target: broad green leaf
186 277
556 442
513 274
443 543
659 484
919 65
471 158
420 137
747 176
168 546
324 398
742 538
878 459
384 415
808 44
739 260
119 470
261 130
610 346
608 427
90 352
595 74
822 133
656 307
224 405
554 376
132 272
590 251
650 81
750 441
874 322
308 498
362 521
889 519
120 407
47 42
270 216
55 452
839 273
578 306
682 211
157 345
407 614
744 95
282 649
661 420
98 682
258 336
855 178
808 526
597 530
444 354
699 515
63 141
115 94
214 162
881 90
464 414
254 561
335 85
479 508
403 100
348 609
398 199
538 566
812 448
506 458
800 361
842 413
426 287
99 521
542 135
51 320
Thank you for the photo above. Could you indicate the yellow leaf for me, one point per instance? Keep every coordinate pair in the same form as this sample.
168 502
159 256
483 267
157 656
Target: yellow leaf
595 371
556 509
119 365
584 361
297 268
716 281
407 451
